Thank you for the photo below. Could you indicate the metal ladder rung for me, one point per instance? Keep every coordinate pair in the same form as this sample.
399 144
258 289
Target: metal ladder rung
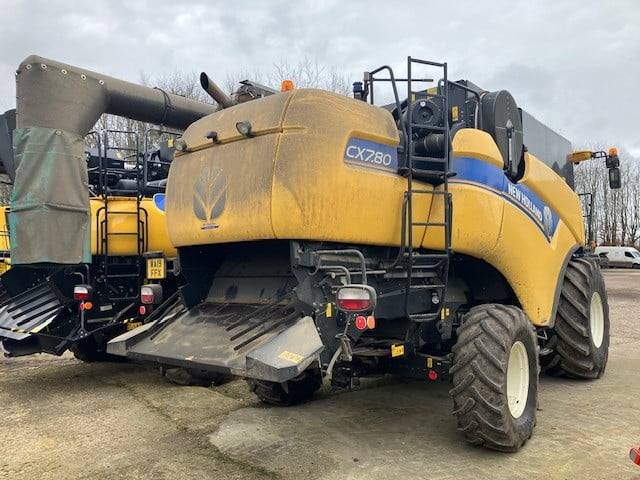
420 256
122 275
426 287
427 62
427 127
428 224
422 317
433 174
421 158
430 192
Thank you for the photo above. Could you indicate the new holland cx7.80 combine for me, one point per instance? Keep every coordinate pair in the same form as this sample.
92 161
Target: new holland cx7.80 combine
325 238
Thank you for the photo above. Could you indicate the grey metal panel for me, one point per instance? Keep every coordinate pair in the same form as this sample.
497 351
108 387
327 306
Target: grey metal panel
548 146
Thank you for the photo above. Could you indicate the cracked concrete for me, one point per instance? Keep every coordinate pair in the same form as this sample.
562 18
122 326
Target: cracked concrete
63 419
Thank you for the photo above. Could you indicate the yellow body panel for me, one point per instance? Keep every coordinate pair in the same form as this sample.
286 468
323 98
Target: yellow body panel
492 224
544 182
469 142
291 181
5 259
4 228
154 223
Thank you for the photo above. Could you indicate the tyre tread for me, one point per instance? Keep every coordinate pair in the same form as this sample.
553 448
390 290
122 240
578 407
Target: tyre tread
479 376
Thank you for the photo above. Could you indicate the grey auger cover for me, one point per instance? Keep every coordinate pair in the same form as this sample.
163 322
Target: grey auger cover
50 213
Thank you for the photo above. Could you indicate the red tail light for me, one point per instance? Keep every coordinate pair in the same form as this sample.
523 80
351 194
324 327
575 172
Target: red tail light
82 292
354 304
361 322
356 298
150 294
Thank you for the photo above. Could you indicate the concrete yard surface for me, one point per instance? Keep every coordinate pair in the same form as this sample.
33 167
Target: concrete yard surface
64 419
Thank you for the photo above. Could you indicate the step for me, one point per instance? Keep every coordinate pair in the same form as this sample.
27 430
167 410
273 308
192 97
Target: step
422 158
418 126
429 224
427 287
424 317
122 275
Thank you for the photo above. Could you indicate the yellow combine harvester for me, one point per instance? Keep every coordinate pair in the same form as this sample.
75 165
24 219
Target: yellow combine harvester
87 225
323 237
39 312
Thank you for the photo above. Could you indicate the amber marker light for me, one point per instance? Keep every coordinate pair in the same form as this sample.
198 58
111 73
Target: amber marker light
287 86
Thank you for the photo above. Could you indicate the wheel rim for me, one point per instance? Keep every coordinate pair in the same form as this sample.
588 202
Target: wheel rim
517 379
596 320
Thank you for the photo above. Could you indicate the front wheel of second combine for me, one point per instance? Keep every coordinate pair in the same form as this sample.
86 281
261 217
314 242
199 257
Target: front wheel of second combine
495 377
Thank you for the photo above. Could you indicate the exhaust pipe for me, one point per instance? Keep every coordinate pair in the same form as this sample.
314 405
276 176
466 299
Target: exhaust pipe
215 92
57 105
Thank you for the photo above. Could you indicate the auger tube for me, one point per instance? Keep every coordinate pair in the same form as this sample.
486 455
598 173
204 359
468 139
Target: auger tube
57 105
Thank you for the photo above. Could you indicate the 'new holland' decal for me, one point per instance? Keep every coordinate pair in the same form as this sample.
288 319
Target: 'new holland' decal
368 154
481 174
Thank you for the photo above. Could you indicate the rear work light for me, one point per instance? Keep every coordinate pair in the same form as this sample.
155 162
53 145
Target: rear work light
356 298
150 294
82 292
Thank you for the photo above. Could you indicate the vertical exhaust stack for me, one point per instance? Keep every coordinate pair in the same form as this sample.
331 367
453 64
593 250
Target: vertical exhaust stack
57 105
215 92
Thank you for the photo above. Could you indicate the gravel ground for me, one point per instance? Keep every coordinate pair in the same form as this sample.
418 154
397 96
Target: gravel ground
63 419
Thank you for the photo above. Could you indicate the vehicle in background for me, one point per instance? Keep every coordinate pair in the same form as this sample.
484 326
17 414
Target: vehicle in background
625 257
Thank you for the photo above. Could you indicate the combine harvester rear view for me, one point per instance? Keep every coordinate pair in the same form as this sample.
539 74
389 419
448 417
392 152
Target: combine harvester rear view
323 237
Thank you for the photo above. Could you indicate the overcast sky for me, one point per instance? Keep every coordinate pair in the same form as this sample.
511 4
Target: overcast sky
575 65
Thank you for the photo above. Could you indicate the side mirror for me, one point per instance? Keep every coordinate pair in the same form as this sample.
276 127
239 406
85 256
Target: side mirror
612 161
614 178
578 156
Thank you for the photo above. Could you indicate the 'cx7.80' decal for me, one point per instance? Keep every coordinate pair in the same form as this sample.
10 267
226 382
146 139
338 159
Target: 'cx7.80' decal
368 154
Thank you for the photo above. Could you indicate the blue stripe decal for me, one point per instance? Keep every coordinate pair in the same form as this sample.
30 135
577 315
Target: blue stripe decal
158 199
484 175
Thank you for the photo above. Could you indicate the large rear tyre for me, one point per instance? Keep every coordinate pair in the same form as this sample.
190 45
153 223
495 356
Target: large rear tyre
292 392
578 344
495 377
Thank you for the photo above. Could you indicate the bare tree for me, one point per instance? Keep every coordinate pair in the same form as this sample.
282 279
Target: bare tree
306 74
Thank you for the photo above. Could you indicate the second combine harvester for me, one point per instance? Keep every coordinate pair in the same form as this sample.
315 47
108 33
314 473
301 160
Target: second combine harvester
82 220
